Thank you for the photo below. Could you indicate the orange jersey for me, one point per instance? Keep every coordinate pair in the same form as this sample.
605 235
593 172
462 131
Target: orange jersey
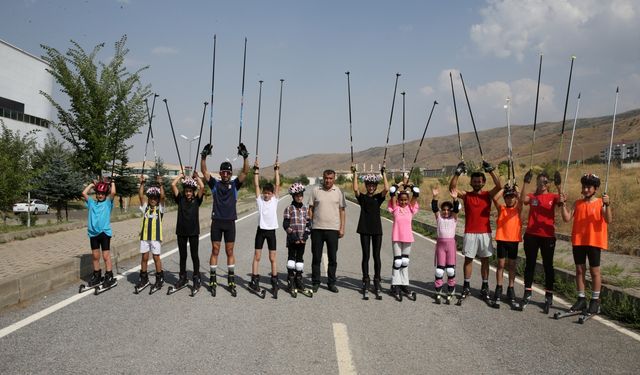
509 224
589 226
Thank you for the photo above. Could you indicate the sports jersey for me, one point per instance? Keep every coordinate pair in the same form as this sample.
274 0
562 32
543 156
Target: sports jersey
225 196
542 214
151 229
477 210
402 230
509 224
589 226
369 221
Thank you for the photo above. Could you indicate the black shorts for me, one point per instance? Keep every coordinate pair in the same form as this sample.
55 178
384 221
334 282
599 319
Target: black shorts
223 227
581 253
101 241
265 234
507 249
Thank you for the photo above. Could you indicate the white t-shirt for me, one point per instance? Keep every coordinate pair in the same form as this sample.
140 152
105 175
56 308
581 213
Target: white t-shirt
268 213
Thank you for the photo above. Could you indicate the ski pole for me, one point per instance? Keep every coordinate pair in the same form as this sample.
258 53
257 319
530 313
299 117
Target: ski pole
613 126
350 126
279 117
422 139
535 114
564 116
150 131
455 109
204 111
403 134
213 80
573 132
258 127
393 103
475 130
174 135
507 108
244 65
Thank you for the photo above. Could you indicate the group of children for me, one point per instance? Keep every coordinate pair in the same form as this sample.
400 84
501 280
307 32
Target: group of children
590 216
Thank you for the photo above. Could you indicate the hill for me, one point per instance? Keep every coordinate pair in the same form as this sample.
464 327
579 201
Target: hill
592 135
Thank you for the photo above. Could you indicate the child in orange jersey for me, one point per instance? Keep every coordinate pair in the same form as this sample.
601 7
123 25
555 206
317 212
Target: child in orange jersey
508 236
591 216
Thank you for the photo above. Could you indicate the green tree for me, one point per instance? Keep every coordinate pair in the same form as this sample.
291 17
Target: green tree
16 152
303 179
106 102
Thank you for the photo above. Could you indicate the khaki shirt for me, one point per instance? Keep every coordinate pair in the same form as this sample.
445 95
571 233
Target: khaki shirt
326 207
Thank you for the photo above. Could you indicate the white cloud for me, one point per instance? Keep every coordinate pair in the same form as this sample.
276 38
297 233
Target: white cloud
164 50
427 90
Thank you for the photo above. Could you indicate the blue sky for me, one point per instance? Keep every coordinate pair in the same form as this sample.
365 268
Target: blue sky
310 44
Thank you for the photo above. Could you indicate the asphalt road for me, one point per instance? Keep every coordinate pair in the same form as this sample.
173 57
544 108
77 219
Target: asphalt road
119 332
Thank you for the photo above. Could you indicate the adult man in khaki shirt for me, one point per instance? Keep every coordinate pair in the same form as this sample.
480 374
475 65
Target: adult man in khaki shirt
326 210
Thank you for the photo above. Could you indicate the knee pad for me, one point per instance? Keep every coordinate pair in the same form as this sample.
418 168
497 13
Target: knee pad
439 273
291 264
397 263
299 266
405 261
451 271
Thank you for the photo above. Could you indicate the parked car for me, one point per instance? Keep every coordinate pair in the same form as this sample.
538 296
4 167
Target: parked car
37 207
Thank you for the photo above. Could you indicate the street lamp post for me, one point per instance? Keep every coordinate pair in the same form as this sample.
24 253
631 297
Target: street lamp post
190 141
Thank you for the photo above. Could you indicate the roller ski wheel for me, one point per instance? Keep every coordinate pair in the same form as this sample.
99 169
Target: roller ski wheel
463 296
105 286
526 300
495 301
155 287
439 296
548 302
180 284
232 289
305 292
140 287
408 293
578 308
396 293
377 291
254 287
593 310
195 288
85 288
213 285
95 282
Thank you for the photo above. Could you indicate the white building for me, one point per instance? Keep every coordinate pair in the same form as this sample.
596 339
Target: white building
22 77
622 151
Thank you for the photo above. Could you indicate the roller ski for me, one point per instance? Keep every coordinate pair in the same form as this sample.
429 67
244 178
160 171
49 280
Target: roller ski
526 300
213 284
365 288
548 302
231 284
108 283
158 284
408 293
396 293
377 290
463 296
577 309
511 299
274 286
495 301
299 286
95 282
440 296
142 284
254 287
195 288
451 292
593 310
180 284
290 286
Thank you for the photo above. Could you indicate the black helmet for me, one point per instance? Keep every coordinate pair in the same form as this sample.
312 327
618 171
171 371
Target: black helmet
226 166
509 191
590 180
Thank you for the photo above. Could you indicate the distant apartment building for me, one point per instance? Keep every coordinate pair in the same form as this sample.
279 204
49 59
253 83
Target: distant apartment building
22 107
622 151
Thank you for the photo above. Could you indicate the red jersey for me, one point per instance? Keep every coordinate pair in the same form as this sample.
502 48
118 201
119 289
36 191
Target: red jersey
477 210
541 221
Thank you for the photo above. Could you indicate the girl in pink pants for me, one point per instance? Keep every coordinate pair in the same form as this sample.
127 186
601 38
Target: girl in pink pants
445 256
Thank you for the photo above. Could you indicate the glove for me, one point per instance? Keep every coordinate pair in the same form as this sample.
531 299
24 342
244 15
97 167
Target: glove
487 167
557 180
416 191
456 206
383 170
276 167
392 190
206 150
353 169
528 176
242 150
434 206
461 168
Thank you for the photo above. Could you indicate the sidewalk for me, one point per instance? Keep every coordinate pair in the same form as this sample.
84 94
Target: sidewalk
34 266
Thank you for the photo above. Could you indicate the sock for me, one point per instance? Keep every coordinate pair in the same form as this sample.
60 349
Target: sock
485 281
231 269
581 294
213 268
595 295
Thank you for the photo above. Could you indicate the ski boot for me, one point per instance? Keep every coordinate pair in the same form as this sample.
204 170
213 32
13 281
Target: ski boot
181 283
291 284
274 286
526 299
108 283
377 290
548 302
158 284
484 291
511 298
465 293
594 309
578 308
231 283
299 284
495 301
439 295
451 291
396 293
143 282
254 286
94 282
213 283
197 282
365 288
408 293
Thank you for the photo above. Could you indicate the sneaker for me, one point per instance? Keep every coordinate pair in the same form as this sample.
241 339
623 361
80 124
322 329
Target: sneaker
332 288
594 306
580 305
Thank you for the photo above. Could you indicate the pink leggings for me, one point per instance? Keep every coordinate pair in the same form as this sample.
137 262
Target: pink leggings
445 261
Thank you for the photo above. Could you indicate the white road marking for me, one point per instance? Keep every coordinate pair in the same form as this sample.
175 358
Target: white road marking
343 352
599 318
51 309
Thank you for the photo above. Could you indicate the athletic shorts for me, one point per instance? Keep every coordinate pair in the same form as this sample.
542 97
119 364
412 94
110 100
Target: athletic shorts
153 246
507 249
101 241
223 227
581 253
265 234
477 244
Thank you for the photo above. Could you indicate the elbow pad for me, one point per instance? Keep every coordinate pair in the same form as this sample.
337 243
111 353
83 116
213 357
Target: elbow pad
434 206
456 206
